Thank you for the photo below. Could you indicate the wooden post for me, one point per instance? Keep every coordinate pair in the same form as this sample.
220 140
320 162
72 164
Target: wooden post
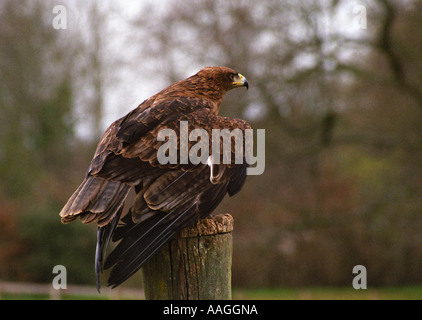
196 265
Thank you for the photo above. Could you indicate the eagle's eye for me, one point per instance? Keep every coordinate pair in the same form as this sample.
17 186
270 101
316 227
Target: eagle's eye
232 76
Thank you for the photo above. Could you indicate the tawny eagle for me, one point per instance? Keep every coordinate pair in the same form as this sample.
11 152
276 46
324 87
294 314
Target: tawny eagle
169 196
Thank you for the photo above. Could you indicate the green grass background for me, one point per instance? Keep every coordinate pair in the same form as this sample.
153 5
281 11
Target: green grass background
383 293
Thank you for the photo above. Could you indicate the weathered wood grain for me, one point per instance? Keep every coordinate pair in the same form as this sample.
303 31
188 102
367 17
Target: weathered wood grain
196 265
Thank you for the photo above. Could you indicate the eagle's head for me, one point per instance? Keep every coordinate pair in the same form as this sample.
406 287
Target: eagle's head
224 76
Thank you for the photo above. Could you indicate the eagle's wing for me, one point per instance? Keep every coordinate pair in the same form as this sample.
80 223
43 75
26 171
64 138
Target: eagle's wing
169 196
110 176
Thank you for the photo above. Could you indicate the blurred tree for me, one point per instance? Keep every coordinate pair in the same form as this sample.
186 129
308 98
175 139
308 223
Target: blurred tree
342 162
286 51
48 243
11 246
384 115
36 136
35 98
342 113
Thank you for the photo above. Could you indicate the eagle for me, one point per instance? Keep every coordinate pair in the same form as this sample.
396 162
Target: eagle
168 196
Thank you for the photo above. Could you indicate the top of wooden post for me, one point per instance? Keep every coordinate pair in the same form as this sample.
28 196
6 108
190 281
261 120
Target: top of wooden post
222 223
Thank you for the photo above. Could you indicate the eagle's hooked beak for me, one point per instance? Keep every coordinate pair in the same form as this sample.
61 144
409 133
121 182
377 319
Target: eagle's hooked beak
241 81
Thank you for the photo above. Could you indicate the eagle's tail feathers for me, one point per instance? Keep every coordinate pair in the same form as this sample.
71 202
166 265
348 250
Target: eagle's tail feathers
131 253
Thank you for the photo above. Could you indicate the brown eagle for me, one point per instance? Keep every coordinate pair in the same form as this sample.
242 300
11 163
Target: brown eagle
169 196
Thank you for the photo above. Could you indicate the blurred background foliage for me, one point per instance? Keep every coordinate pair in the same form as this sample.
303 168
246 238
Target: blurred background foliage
341 106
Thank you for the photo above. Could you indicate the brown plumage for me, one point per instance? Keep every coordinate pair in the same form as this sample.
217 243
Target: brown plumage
168 197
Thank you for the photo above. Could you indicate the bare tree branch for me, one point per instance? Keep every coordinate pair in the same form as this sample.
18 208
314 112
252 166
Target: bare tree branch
385 45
